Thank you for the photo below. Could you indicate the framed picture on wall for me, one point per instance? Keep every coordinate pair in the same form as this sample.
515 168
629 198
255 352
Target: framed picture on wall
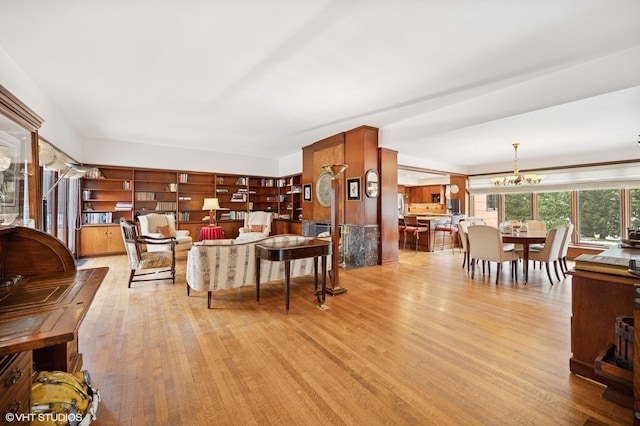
353 189
306 192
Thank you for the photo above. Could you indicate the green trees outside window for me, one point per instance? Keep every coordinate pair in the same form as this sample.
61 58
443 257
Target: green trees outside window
517 206
554 208
599 216
635 208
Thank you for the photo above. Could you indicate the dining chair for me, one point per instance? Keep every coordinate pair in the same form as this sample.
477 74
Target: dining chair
536 225
412 227
485 243
564 249
550 251
463 235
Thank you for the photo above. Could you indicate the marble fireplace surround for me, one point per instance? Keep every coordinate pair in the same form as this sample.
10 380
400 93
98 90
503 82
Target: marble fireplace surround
361 242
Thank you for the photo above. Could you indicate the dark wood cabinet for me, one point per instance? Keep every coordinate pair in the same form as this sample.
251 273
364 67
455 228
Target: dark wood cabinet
40 312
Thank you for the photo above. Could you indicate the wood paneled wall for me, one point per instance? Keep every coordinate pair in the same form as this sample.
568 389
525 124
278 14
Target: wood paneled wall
388 213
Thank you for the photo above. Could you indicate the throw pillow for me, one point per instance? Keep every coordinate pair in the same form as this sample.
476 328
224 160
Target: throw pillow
164 230
255 228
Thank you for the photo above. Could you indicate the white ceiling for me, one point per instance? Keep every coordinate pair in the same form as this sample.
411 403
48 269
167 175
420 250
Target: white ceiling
450 84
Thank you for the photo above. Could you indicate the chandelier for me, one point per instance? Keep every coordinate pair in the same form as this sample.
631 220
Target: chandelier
516 178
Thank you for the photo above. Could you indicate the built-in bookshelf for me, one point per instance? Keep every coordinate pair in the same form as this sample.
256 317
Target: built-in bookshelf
113 193
107 195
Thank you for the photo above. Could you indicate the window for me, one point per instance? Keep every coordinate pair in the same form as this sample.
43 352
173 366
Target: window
492 202
517 206
634 195
554 208
599 216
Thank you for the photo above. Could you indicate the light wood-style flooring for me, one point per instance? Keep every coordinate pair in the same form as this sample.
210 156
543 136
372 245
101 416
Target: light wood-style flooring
415 343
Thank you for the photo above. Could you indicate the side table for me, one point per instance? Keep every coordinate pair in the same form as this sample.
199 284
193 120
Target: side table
287 251
210 233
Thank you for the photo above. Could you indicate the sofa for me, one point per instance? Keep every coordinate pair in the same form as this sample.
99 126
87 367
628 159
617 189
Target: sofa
164 225
224 264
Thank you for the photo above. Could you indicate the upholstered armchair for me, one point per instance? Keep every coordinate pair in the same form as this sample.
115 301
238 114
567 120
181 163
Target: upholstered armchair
256 225
148 265
164 225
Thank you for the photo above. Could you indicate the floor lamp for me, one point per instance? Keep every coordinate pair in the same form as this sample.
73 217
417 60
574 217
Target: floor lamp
335 170
73 171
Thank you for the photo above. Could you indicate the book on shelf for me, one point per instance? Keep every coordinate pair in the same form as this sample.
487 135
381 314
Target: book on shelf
97 218
183 177
145 196
166 205
184 198
124 205
603 264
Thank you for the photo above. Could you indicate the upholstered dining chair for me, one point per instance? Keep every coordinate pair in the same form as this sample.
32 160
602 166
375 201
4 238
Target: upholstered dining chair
485 243
536 225
145 263
463 234
550 251
412 227
564 249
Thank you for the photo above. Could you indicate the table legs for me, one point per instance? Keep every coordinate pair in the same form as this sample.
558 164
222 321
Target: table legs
525 257
287 280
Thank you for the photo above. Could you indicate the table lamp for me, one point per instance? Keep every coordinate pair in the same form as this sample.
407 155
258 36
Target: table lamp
212 205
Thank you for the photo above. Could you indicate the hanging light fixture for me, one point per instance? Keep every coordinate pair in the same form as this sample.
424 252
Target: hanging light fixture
517 178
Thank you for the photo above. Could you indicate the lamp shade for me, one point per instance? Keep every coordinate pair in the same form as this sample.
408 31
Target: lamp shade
335 169
211 204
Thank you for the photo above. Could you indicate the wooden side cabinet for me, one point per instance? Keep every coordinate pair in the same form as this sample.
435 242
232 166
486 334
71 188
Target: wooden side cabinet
101 240
15 387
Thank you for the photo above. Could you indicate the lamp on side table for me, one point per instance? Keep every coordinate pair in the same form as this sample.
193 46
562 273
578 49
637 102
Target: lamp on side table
213 206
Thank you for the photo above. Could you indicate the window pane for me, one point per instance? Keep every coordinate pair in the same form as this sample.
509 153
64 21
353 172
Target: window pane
554 208
635 208
599 216
517 206
61 211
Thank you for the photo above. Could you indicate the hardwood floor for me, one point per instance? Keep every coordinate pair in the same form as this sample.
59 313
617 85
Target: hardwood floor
414 343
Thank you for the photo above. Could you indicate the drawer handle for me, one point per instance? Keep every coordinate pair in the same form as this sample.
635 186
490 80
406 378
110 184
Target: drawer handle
14 376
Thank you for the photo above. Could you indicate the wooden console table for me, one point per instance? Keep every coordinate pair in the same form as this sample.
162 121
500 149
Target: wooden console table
597 299
278 251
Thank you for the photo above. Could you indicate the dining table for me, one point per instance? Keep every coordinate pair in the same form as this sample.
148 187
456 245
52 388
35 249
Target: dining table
526 239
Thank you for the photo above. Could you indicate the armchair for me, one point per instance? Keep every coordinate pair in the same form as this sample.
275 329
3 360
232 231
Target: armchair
153 262
256 225
164 226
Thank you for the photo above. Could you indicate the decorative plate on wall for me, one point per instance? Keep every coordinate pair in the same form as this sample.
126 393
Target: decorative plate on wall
323 189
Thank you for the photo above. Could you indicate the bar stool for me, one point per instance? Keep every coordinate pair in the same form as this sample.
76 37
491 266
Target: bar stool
445 226
412 227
